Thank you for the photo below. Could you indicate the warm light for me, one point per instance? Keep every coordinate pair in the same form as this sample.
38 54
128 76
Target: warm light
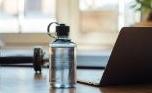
10 6
97 4
13 12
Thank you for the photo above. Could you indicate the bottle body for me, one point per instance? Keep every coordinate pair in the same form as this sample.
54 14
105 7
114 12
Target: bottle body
62 69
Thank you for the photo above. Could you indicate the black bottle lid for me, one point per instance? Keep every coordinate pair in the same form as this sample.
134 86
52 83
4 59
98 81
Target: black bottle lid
62 30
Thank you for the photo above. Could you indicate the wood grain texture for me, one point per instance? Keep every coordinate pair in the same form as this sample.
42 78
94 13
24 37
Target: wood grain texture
24 80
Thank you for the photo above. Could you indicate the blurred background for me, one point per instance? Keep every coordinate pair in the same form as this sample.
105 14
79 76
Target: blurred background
95 24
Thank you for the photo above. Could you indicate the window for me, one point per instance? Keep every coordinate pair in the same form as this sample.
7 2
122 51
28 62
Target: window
22 16
104 12
98 23
98 15
101 21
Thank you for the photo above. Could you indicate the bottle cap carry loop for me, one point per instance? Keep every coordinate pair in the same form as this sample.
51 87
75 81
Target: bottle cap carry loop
48 29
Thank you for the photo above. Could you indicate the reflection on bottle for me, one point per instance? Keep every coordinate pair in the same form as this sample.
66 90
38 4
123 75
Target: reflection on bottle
62 90
38 76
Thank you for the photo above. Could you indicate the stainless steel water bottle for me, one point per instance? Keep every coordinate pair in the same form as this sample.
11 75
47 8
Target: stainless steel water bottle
62 69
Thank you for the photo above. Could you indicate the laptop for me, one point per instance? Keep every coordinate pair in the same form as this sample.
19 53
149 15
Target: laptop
130 61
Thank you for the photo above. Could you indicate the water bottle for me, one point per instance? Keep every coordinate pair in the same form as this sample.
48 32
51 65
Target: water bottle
62 68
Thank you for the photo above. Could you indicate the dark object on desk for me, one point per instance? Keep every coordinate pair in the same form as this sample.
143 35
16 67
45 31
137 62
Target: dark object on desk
130 61
38 59
14 59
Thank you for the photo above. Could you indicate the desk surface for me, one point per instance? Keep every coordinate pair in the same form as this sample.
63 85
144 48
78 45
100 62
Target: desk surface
24 80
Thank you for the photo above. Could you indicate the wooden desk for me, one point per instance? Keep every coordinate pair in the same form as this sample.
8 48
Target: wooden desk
24 80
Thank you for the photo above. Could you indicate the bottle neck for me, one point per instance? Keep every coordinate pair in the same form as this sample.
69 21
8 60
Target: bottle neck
63 37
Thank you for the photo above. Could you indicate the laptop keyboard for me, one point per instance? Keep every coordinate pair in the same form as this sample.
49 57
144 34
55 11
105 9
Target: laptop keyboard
92 61
89 75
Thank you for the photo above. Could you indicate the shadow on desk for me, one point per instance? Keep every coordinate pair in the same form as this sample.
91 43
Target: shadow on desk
127 89
113 89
